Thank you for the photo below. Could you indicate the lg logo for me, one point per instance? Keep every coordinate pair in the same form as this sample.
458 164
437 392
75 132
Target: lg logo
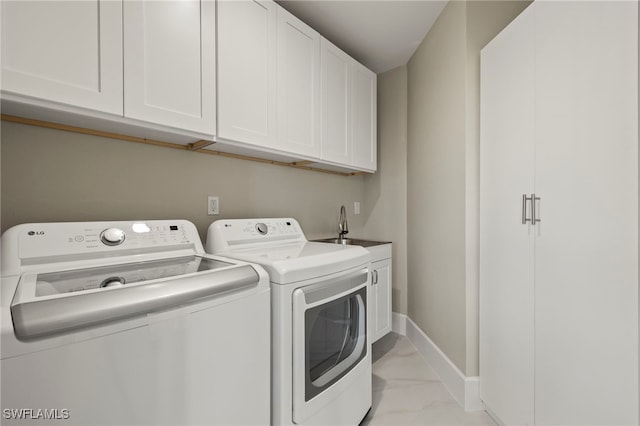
35 232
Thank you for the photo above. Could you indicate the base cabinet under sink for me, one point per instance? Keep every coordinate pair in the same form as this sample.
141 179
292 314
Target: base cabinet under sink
380 298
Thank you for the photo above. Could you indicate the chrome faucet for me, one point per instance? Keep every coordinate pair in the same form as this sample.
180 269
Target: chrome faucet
343 228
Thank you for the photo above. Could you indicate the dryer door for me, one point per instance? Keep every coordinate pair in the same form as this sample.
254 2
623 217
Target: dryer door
329 339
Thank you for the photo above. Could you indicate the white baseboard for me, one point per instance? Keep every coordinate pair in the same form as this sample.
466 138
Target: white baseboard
399 323
465 390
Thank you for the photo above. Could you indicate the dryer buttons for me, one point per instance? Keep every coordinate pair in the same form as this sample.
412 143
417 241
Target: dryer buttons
112 236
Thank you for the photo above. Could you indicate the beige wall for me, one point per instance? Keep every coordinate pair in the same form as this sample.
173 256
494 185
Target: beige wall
386 190
50 175
442 175
436 183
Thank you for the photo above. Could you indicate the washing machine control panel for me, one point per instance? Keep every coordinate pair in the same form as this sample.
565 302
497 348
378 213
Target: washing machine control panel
60 239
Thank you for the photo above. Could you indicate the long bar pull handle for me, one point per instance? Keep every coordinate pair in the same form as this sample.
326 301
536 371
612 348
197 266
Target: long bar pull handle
534 219
524 209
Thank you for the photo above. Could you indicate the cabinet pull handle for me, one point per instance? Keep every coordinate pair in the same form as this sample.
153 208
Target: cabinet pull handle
525 219
534 219
375 277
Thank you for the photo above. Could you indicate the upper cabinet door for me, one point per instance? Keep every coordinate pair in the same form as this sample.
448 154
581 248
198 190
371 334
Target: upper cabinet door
169 54
335 104
364 107
247 71
64 51
298 86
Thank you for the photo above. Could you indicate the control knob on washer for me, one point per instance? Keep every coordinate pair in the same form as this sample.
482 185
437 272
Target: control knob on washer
262 228
112 236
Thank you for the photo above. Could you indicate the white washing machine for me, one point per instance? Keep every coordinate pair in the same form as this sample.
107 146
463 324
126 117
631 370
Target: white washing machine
321 367
130 323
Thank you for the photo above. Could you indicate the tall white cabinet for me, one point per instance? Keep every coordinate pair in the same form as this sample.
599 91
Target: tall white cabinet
559 216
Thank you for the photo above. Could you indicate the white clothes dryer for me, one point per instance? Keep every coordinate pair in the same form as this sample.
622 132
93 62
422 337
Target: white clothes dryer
130 323
321 365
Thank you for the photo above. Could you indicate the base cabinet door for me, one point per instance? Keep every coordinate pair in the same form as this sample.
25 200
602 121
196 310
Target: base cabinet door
559 247
381 299
169 63
68 52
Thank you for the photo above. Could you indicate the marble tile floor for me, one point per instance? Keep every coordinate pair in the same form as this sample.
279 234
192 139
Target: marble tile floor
406 390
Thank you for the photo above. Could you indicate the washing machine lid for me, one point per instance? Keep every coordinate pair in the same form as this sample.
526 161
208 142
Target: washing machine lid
58 277
298 261
103 277
53 302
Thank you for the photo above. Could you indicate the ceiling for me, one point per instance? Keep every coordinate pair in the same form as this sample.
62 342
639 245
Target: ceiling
381 34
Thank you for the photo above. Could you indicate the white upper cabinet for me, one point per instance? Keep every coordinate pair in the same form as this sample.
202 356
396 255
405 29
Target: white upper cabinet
247 71
169 63
364 110
66 52
298 86
349 108
336 104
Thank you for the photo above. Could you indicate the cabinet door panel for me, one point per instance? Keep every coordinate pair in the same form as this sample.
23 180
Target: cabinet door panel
382 299
364 100
247 71
298 86
170 63
587 242
336 105
506 245
64 51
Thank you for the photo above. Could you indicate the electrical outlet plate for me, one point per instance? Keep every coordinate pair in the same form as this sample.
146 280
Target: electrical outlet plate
213 205
356 207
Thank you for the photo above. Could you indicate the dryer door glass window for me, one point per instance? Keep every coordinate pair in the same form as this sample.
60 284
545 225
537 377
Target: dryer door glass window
335 340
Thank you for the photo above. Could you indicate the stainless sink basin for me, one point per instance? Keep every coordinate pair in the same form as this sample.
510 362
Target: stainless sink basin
351 241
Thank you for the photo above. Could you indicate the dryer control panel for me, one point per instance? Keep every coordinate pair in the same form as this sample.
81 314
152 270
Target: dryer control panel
224 234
